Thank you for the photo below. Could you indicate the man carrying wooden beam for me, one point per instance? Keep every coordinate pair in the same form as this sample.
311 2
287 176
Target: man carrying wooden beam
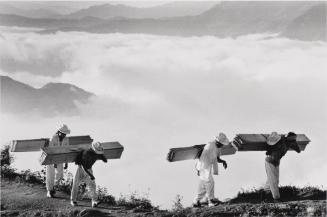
277 147
54 172
85 160
208 161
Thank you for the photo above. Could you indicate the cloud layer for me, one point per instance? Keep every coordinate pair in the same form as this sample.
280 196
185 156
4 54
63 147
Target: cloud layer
158 92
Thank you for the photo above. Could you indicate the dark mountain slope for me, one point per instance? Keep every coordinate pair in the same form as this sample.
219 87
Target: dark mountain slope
51 99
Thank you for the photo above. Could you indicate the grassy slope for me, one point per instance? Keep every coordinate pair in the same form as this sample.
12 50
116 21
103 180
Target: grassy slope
22 199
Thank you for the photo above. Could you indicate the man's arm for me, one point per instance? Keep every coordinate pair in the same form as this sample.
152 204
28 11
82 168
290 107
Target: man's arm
200 150
103 158
219 160
296 147
88 172
52 143
78 159
292 143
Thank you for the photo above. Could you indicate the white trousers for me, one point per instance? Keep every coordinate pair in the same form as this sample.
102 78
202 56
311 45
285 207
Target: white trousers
53 175
272 179
82 177
206 190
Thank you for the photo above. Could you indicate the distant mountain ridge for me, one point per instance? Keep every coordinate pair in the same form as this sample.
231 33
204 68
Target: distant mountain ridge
300 20
239 18
311 21
51 99
35 13
35 9
107 10
173 9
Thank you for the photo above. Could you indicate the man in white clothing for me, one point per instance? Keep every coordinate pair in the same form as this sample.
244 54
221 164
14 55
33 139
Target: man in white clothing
206 165
54 172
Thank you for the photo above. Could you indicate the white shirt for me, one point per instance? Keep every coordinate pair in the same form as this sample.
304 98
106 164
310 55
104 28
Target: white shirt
208 160
56 142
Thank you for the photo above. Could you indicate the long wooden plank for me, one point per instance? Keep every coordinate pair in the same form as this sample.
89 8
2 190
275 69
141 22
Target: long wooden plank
257 142
193 152
30 145
66 154
75 140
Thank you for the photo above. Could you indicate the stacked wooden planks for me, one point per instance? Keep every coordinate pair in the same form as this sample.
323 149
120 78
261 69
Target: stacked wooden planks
29 145
66 154
257 142
194 152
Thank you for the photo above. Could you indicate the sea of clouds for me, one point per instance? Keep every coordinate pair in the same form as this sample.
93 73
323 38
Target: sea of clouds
158 92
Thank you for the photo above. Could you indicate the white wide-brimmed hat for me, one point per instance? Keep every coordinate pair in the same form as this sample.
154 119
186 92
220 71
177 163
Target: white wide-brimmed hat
97 148
64 129
273 138
222 138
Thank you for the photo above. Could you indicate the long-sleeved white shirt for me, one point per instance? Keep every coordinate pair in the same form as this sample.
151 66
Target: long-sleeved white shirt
208 160
56 142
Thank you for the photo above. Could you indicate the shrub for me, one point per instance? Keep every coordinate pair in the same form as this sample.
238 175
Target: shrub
102 194
8 172
6 160
135 201
177 203
6 157
288 193
65 185
104 197
32 177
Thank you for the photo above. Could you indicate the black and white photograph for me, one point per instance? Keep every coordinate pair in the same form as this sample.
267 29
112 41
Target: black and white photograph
163 108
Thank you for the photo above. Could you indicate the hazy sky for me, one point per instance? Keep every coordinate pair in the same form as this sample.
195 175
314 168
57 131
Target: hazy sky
84 4
159 92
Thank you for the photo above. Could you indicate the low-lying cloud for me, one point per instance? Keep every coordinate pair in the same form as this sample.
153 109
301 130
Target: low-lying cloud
157 92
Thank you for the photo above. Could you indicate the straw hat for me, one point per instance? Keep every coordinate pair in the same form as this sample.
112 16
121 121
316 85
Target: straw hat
273 138
97 148
64 129
222 138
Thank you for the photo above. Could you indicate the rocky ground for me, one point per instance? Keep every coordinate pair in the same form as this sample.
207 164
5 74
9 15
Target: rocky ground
25 199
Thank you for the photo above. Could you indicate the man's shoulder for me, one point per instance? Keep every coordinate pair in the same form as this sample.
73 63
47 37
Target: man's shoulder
210 149
89 152
55 136
210 145
281 144
55 139
66 140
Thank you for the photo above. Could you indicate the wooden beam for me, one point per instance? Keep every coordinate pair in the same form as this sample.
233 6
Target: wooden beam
29 145
257 142
75 140
194 152
66 154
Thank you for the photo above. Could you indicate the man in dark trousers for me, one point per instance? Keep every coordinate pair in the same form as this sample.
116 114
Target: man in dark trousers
277 147
85 160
